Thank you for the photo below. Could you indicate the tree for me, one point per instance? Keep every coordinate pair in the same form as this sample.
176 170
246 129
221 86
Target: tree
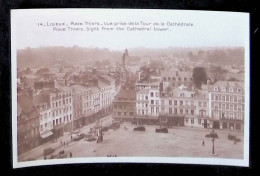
199 76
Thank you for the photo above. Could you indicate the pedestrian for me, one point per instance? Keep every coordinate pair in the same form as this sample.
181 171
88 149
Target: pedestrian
203 143
70 155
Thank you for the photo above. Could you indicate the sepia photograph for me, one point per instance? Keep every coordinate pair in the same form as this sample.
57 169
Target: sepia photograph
118 85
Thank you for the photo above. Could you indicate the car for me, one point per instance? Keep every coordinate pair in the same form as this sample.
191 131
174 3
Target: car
139 128
161 130
48 151
212 135
62 154
106 128
79 137
53 156
91 139
233 138
115 125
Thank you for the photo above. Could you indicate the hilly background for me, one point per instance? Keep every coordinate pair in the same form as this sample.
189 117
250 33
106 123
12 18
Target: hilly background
47 56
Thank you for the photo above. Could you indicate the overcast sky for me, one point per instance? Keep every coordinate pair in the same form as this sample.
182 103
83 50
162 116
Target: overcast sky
210 29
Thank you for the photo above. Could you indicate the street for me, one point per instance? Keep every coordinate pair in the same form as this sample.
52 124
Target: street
179 142
59 144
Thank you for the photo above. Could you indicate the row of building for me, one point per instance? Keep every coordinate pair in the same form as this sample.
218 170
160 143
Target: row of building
48 110
219 105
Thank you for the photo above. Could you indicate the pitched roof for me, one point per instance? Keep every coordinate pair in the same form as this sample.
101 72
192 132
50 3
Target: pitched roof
126 93
41 98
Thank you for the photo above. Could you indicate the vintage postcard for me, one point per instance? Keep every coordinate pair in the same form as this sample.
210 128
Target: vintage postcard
129 85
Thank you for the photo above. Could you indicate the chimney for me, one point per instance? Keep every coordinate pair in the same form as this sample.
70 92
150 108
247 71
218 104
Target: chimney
208 82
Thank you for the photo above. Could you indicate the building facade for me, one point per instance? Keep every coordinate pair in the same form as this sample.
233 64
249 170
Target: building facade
28 124
124 105
226 105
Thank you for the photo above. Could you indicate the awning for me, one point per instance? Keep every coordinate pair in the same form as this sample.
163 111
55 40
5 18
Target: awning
46 134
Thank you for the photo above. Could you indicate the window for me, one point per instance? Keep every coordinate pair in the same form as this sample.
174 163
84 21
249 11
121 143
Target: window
223 98
223 106
157 102
162 102
157 94
239 90
192 112
239 116
231 107
181 102
223 89
215 88
163 110
231 89
170 110
124 113
204 104
119 113
192 121
152 110
239 108
186 111
175 102
152 101
181 111
216 97
170 102
231 115
200 104
199 121
151 94
175 110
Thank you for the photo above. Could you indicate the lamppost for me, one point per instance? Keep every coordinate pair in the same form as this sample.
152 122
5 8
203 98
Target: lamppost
214 136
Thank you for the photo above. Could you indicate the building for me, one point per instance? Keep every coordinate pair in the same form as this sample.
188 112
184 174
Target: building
226 105
82 98
61 107
28 124
42 103
176 78
148 101
124 105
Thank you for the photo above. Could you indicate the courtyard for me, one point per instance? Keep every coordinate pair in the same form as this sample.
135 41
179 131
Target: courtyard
178 142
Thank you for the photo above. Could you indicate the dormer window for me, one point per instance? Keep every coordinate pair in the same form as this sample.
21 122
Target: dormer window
239 90
215 88
231 89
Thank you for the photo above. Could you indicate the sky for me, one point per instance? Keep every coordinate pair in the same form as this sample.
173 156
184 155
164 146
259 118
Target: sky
210 29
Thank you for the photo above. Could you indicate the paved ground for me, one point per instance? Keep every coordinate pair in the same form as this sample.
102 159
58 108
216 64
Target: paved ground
37 153
179 142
